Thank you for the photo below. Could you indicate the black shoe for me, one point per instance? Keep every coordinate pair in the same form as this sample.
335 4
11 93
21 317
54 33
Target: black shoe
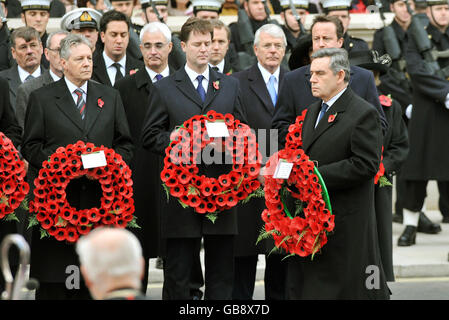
408 237
445 219
425 225
398 218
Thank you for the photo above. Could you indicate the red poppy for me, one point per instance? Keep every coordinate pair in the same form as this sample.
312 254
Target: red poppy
385 101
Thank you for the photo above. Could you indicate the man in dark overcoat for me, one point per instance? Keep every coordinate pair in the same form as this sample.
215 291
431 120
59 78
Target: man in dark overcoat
174 100
342 133
429 122
134 90
55 118
258 83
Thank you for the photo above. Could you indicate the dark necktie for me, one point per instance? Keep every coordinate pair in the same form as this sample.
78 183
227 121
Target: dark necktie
30 76
323 110
159 77
80 103
216 69
200 88
118 74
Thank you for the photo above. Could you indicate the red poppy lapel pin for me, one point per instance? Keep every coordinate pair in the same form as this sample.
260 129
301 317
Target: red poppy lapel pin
100 103
132 71
332 117
216 85
385 100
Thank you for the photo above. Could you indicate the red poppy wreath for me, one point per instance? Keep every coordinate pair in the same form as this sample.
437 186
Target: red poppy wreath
303 230
208 195
53 212
12 174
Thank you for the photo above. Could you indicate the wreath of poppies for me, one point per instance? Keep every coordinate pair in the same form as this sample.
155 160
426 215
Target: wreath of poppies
208 195
302 230
53 212
14 188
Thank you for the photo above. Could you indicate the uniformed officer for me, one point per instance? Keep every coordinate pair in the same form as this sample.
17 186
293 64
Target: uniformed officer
151 15
207 9
340 8
6 60
292 29
83 21
36 14
428 155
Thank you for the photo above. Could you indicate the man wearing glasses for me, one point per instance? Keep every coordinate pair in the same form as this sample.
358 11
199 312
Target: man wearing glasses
155 46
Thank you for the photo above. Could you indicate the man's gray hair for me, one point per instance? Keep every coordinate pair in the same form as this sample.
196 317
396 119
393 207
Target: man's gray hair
72 40
51 35
339 60
273 30
121 257
154 27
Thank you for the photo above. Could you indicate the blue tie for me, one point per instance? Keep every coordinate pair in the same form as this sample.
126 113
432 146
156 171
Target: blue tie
159 77
272 89
200 88
324 108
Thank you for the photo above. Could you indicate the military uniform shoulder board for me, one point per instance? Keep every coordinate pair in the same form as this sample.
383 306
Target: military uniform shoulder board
137 28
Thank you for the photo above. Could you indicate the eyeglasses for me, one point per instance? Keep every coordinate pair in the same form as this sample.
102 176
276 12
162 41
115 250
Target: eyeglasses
54 50
277 46
157 45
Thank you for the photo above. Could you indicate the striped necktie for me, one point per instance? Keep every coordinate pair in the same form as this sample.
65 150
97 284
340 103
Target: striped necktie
80 103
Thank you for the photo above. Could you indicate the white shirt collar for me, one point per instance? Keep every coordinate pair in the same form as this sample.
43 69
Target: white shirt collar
266 74
54 76
109 62
153 74
73 87
335 98
23 74
220 66
192 74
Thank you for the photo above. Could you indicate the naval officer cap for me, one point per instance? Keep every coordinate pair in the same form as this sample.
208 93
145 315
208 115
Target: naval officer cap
436 2
298 4
35 5
148 3
335 5
207 5
81 18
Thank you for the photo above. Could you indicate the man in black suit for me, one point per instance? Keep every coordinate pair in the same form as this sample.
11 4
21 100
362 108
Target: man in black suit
111 264
223 57
26 48
113 64
10 127
347 150
296 95
261 85
63 113
135 89
186 93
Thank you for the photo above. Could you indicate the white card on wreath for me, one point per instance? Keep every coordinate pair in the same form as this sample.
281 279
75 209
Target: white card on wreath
217 129
93 160
283 170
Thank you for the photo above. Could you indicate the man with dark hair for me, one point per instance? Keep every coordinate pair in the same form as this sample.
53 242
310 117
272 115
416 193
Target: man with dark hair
175 99
26 49
127 8
296 95
63 113
340 9
223 56
114 63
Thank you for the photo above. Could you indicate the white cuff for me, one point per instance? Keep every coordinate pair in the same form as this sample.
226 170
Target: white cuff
446 102
408 111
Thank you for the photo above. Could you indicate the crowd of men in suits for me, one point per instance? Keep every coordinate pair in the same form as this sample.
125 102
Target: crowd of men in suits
151 81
